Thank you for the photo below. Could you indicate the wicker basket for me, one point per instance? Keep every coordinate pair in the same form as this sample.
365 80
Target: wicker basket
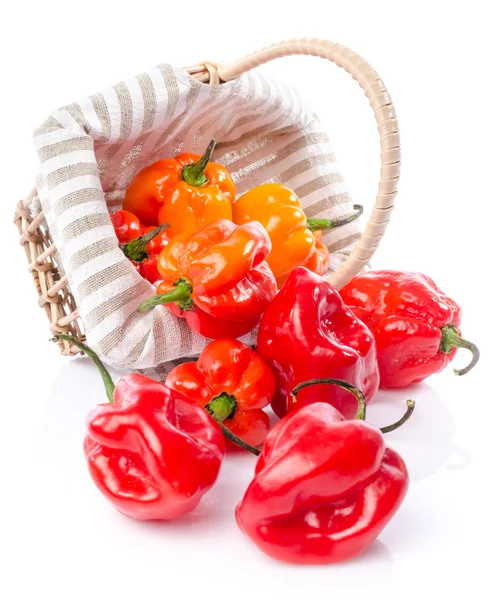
52 285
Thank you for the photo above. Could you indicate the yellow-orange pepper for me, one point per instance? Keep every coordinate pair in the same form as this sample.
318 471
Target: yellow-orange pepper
296 240
186 192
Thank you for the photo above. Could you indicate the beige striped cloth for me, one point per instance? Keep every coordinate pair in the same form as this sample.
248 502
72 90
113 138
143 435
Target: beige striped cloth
90 150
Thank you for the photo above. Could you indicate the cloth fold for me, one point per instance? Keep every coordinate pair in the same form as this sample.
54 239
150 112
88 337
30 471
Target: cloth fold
90 150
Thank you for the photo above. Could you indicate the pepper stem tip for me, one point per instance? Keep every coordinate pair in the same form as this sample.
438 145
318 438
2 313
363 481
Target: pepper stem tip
359 395
451 338
410 404
238 441
323 224
136 250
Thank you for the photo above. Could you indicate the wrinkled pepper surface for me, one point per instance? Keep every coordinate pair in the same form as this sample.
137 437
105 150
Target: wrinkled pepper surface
324 487
416 325
307 332
187 192
151 452
296 240
217 279
232 382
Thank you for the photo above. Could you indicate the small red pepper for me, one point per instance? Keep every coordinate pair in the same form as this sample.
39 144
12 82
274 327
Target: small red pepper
143 251
156 245
307 332
416 325
149 269
138 252
150 451
233 383
217 279
324 487
126 226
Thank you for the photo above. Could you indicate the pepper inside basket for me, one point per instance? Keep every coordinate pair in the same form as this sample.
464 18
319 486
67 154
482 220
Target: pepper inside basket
90 150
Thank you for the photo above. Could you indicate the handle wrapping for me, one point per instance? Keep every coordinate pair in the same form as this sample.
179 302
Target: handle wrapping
387 126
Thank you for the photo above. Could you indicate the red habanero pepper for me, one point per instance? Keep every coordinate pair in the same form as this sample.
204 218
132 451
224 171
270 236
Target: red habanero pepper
324 487
217 279
415 325
138 252
156 245
136 444
126 226
149 269
307 332
233 383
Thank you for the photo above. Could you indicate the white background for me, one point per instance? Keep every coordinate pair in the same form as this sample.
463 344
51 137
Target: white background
60 539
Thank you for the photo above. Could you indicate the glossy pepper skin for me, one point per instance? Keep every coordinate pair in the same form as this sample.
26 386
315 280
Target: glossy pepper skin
416 325
187 192
308 332
126 226
233 383
150 451
156 245
217 279
140 251
324 488
296 240
149 269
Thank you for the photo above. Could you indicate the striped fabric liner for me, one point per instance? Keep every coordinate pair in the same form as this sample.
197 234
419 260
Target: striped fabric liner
90 150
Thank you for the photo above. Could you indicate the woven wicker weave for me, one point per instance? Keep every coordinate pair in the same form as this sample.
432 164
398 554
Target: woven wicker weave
51 285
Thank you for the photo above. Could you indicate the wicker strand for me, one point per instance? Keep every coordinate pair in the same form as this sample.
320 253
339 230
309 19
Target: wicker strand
52 289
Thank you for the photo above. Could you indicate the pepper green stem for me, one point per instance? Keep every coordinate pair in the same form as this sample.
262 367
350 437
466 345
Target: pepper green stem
194 174
322 224
410 408
182 294
108 381
222 407
450 338
238 441
136 250
359 395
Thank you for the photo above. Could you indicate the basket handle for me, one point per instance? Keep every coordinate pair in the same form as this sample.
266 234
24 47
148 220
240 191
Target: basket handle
387 126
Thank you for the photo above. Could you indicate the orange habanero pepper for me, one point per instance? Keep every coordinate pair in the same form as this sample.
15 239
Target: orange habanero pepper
296 240
187 192
216 279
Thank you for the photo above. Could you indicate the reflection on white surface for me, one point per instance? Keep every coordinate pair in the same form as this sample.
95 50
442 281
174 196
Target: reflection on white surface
425 441
444 446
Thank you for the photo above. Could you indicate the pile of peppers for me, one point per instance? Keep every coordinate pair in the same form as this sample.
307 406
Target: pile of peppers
217 260
325 483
